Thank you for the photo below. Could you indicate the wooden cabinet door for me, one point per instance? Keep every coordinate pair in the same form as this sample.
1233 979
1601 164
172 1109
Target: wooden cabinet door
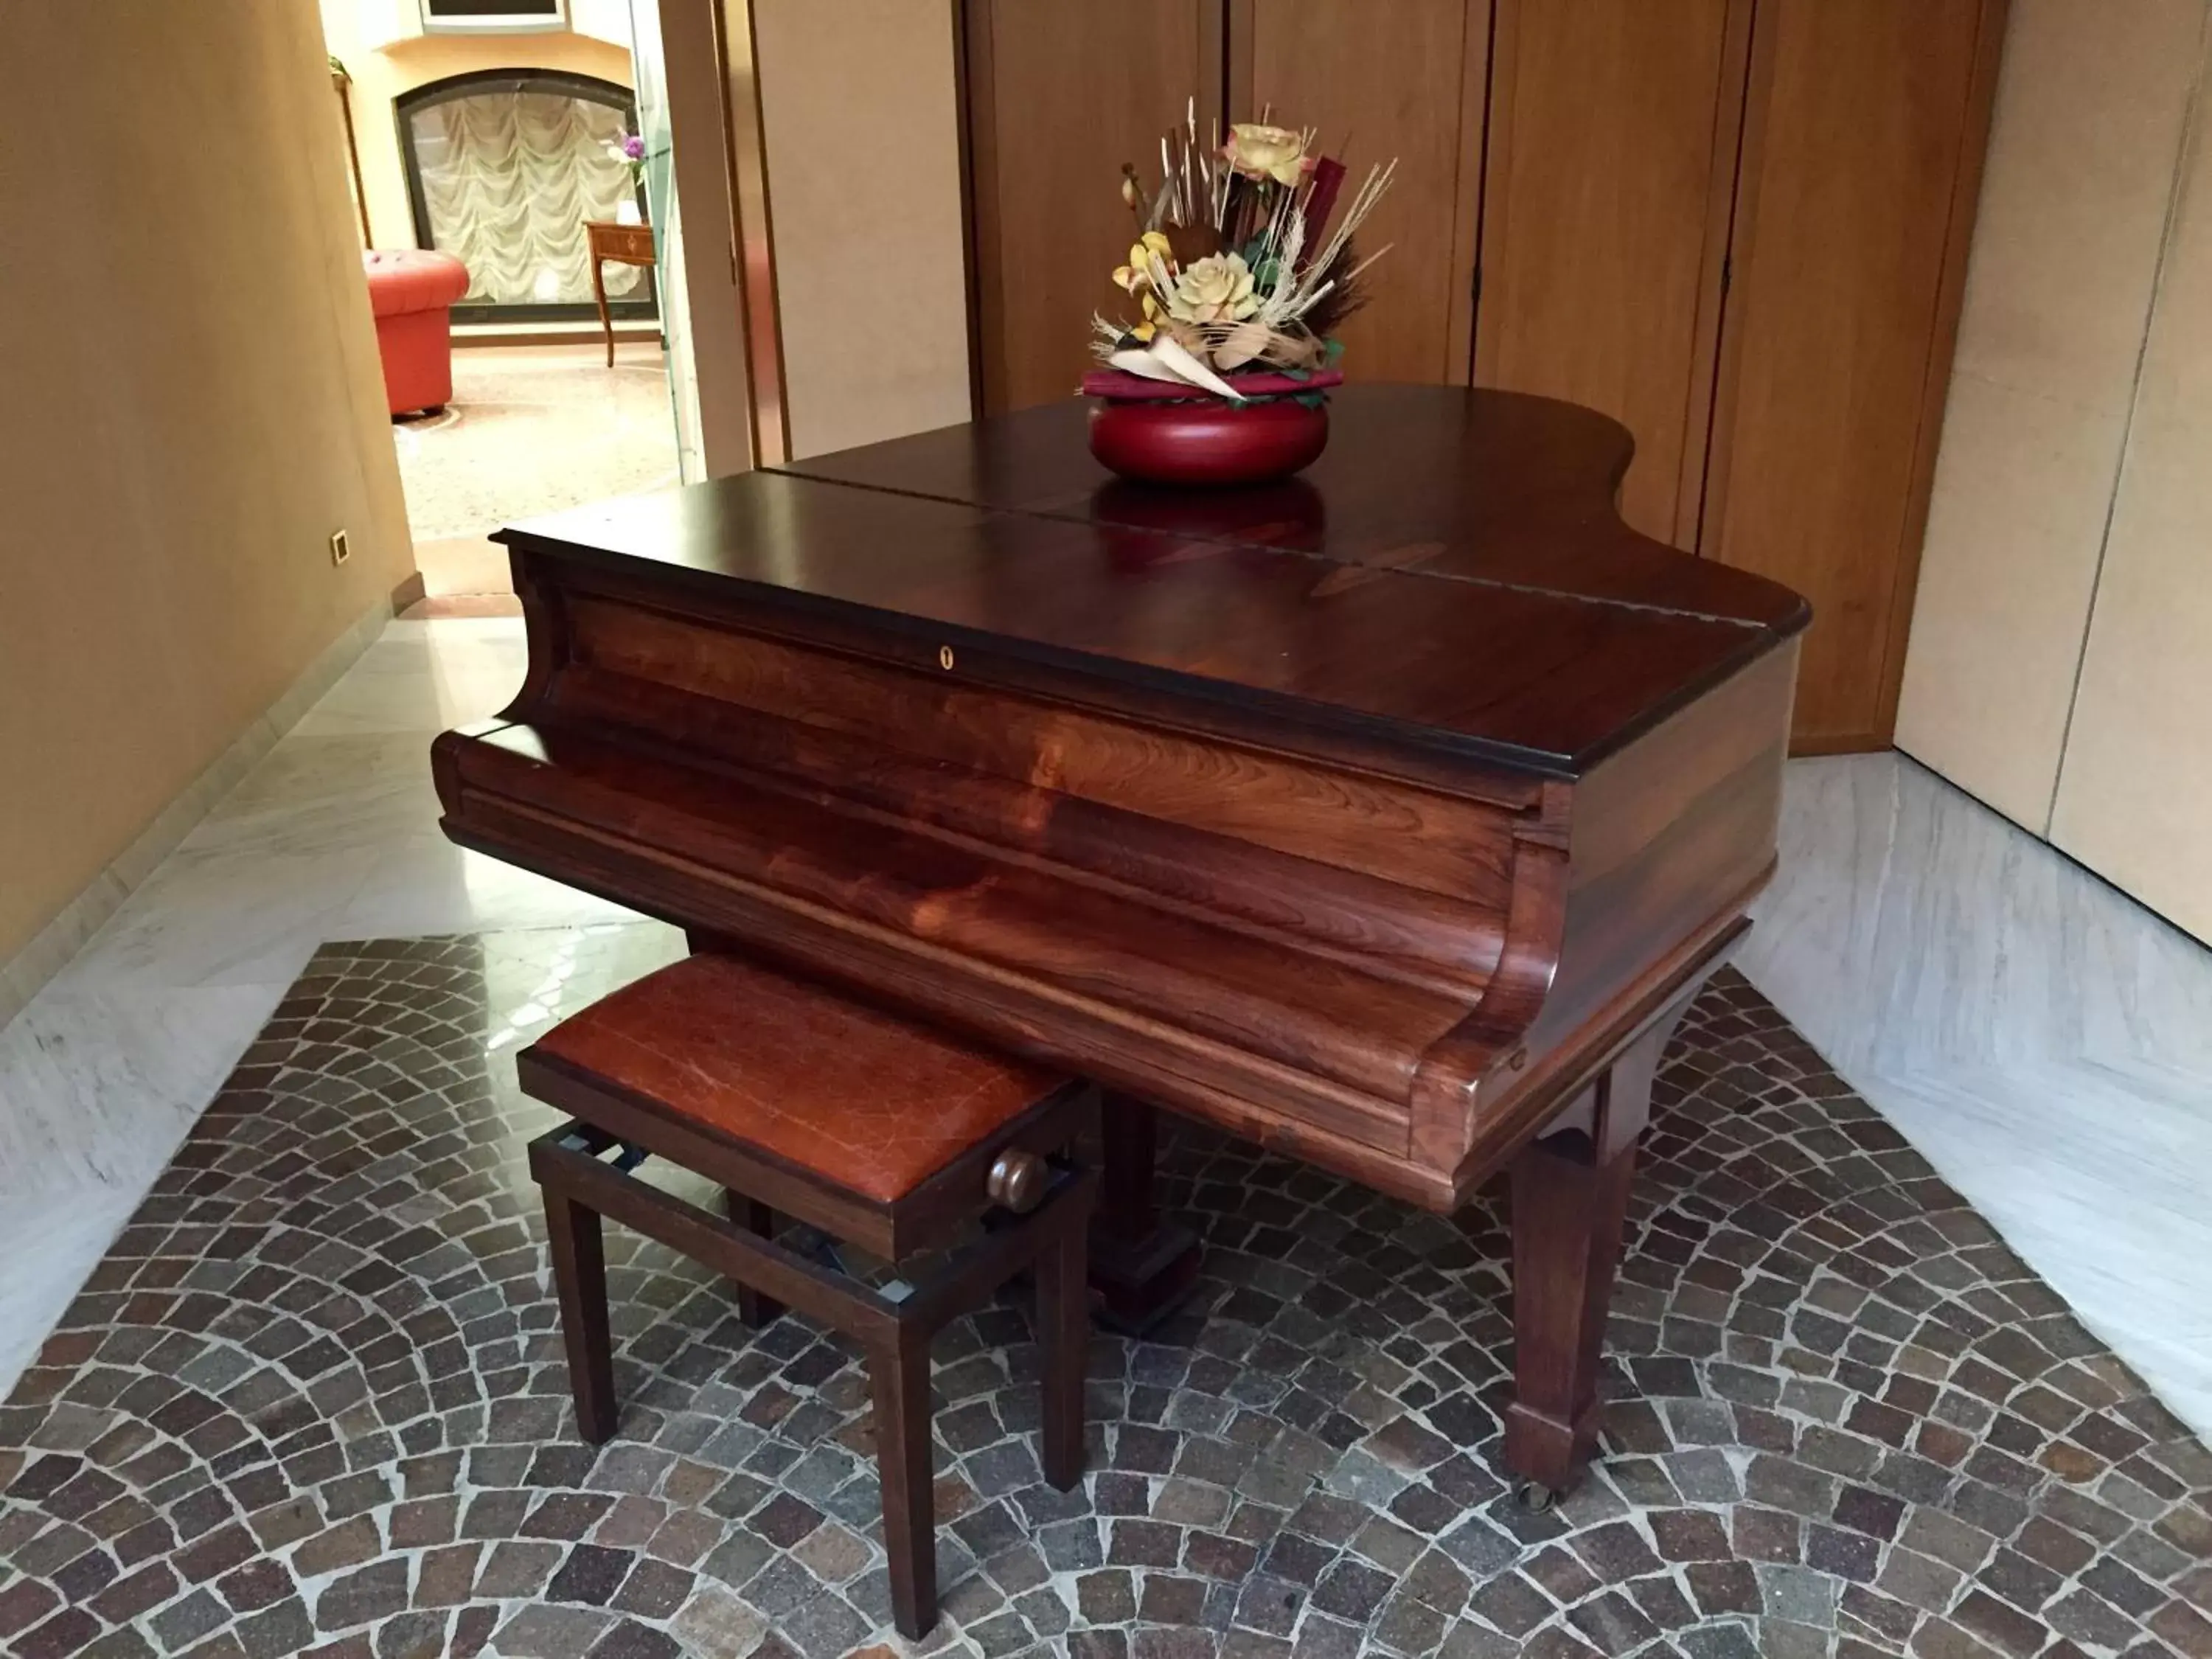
1060 94
1386 78
1612 145
1862 159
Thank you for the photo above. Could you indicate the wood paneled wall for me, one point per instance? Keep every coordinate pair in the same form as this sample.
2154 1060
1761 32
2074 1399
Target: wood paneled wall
1060 94
1737 226
1614 130
1384 79
1864 129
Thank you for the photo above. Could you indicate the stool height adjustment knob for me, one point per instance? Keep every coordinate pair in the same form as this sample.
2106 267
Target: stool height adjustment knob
1017 1180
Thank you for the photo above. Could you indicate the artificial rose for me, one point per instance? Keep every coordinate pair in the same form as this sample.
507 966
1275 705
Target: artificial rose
1261 152
1215 290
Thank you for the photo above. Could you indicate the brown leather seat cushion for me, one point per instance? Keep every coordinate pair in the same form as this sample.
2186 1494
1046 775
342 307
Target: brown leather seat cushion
856 1096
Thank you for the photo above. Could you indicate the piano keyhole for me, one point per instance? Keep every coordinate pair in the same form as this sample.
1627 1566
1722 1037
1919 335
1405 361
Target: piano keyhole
944 656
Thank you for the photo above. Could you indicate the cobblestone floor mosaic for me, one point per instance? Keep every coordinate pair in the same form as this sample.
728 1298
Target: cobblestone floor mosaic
313 1402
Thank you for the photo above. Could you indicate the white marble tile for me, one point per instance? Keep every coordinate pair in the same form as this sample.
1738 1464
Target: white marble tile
242 916
323 794
50 1241
423 883
423 677
100 1089
1909 924
101 1085
2045 1041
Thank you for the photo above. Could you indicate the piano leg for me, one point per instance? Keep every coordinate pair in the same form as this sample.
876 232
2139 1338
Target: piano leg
1141 1266
1570 1202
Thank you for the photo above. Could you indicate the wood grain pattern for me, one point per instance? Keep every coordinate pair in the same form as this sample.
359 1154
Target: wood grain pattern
626 244
1060 94
1862 140
1612 150
1383 854
1504 488
1384 79
857 1096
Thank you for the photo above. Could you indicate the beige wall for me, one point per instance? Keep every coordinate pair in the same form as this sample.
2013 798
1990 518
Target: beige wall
193 405
2091 105
383 67
2134 788
863 145
2076 445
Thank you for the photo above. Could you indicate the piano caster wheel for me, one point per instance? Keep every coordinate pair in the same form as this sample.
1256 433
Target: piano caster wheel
1536 1497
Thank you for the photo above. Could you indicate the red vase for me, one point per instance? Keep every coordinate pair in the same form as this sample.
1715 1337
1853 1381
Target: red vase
1158 432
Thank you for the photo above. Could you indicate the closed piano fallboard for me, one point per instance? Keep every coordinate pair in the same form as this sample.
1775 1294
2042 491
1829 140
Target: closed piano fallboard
1358 814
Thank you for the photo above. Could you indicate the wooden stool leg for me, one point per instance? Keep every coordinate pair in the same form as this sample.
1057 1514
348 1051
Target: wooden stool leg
899 1377
1063 1321
579 1279
758 1219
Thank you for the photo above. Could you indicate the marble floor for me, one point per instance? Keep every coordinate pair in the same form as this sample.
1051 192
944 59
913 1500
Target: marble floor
2047 1043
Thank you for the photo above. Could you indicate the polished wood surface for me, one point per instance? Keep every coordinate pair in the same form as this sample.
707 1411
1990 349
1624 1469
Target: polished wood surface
856 1096
626 244
1849 264
618 1068
1502 491
1739 228
1378 819
1386 79
1255 830
1060 93
1612 154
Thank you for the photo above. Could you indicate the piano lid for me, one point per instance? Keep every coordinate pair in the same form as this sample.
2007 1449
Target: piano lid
1483 486
1450 574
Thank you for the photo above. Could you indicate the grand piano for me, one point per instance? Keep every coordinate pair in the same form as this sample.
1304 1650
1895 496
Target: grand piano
1387 816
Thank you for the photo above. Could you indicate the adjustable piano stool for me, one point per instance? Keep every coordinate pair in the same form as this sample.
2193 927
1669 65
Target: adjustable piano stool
885 1134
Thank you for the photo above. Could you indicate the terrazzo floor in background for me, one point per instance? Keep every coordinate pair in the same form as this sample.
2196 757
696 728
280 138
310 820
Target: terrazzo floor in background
313 1401
531 430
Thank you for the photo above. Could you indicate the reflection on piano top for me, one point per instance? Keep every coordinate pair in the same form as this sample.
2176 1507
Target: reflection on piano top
1451 574
1486 486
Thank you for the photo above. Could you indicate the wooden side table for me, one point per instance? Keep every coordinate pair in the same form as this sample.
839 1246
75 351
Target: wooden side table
626 244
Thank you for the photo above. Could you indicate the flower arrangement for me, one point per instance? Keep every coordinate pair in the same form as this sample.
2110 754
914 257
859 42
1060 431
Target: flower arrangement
1235 267
630 152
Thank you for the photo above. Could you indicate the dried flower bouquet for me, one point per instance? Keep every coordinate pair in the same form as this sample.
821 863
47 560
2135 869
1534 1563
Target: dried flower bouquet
1235 267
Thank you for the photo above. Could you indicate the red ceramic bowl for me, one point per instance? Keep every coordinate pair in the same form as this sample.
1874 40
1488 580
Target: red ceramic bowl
1205 440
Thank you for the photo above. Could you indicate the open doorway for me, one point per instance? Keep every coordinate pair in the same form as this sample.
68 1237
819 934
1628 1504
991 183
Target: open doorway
505 176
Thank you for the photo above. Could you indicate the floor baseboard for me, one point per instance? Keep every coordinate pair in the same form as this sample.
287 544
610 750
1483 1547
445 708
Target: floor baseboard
50 949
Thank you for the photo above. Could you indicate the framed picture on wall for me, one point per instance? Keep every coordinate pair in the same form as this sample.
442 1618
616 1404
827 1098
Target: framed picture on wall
492 16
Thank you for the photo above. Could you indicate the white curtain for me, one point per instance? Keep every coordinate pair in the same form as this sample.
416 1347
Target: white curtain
510 177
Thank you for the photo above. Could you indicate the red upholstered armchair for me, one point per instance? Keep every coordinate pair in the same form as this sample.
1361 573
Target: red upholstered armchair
412 291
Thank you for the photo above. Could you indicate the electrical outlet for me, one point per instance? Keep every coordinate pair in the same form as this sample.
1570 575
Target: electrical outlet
341 549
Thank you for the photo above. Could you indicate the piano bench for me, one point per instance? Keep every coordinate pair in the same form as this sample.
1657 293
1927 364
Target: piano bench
885 1134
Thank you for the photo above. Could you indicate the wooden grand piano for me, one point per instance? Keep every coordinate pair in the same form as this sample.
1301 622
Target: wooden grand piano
1387 816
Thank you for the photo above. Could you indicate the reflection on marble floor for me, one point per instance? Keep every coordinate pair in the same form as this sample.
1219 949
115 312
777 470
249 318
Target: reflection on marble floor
2046 1042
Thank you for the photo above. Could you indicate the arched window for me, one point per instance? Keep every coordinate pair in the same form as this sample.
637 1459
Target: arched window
503 168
